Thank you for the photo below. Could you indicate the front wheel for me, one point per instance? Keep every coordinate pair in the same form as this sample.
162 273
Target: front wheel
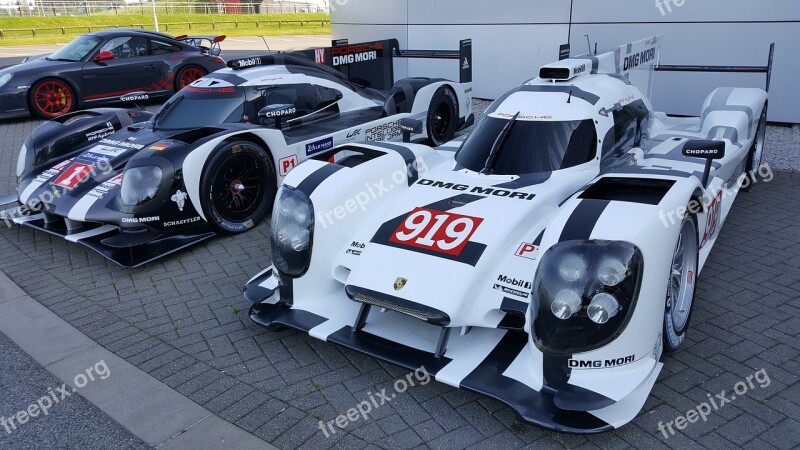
51 98
682 285
442 116
238 187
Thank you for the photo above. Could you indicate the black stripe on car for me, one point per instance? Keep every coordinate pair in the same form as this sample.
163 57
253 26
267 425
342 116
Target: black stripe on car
312 182
408 156
581 222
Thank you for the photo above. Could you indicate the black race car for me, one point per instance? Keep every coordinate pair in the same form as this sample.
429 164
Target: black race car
135 186
98 68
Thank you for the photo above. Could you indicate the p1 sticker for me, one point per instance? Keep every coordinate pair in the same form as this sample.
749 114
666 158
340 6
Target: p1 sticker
285 165
438 231
526 250
73 175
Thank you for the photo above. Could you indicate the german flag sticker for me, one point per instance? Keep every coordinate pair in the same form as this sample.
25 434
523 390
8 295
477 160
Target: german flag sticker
159 146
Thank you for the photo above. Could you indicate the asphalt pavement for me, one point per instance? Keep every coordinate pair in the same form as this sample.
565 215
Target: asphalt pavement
71 423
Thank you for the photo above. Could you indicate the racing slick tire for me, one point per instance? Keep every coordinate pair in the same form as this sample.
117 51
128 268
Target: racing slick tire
756 154
238 187
187 75
682 285
52 97
442 116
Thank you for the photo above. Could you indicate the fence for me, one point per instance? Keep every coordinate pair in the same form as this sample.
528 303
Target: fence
165 26
25 8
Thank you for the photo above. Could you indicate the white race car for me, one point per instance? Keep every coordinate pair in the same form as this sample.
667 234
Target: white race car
546 261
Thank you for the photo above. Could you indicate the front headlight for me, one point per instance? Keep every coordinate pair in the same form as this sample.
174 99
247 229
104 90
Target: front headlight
291 232
584 293
22 161
5 79
140 184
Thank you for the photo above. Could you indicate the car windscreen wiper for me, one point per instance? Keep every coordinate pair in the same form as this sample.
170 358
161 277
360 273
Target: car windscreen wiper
498 145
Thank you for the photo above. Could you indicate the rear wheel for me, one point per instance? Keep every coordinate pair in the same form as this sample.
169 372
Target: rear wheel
51 98
187 76
682 285
756 154
238 187
442 116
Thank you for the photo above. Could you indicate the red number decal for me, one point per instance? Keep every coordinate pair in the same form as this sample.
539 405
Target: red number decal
73 175
438 231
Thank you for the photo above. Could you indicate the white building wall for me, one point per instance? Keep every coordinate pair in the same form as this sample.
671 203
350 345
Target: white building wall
513 38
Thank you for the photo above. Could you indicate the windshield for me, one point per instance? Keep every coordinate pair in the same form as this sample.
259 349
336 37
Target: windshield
529 146
202 107
77 49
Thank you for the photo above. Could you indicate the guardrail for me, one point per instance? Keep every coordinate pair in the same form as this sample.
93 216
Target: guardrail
24 8
164 25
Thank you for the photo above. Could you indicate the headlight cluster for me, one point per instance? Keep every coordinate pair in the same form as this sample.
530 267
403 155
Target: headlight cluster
5 79
584 293
291 232
140 184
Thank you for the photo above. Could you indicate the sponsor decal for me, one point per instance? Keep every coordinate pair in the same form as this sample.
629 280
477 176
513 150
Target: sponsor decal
176 223
350 54
465 64
101 133
637 59
353 252
600 363
542 117
526 250
159 146
73 175
713 219
179 197
134 97
658 347
477 189
53 171
280 112
122 144
563 52
701 152
400 283
579 69
319 146
319 55
514 282
468 90
285 165
356 244
356 248
199 90
385 132
103 153
510 291
246 62
438 231
270 79
353 135
104 188
141 219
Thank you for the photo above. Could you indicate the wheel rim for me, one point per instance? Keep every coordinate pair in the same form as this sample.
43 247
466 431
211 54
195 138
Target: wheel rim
52 99
189 75
239 187
440 122
761 134
680 294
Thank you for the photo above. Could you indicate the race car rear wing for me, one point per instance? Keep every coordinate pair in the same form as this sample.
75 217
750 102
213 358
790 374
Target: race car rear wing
726 69
369 64
207 43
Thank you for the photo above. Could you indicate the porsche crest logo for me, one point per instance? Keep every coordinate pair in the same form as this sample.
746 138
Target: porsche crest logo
400 283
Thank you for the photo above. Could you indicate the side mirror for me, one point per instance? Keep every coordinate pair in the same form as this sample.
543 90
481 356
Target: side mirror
710 150
409 127
277 112
105 55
